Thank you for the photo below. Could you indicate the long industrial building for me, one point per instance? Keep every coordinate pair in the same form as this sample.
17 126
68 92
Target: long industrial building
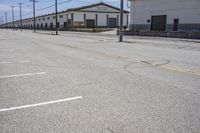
100 15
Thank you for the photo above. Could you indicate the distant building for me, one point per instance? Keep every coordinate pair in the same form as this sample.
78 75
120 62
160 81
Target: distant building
165 15
91 16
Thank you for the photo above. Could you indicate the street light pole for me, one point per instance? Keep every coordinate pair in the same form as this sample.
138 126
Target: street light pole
34 14
2 19
20 6
56 12
121 21
6 19
13 18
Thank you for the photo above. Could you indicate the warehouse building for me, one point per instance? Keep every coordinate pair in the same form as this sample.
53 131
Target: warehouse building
165 15
100 15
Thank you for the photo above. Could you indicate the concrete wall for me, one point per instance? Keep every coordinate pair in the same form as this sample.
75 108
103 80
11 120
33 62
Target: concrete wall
187 11
102 17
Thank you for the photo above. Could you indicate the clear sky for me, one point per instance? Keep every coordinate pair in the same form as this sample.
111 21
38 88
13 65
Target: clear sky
27 6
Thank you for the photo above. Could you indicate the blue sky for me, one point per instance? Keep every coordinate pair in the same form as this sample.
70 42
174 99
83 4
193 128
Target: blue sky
27 6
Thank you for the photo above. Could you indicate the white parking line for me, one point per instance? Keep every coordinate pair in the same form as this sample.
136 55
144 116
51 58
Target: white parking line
20 75
11 55
40 104
7 62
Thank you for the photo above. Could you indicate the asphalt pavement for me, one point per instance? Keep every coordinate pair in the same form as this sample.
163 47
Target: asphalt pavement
90 83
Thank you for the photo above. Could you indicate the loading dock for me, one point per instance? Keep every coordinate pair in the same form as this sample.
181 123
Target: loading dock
112 22
90 23
158 23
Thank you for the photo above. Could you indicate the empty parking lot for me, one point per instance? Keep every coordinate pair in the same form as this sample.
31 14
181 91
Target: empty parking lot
86 82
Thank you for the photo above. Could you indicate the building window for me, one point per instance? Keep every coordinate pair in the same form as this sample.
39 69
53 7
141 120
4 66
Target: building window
65 24
51 25
54 17
48 18
61 16
43 19
46 25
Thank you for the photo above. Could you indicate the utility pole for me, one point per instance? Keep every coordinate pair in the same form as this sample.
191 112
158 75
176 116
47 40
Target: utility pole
2 19
121 21
6 18
20 8
56 12
0 23
33 14
13 17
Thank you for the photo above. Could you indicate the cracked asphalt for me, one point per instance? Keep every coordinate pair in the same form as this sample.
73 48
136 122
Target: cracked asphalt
143 85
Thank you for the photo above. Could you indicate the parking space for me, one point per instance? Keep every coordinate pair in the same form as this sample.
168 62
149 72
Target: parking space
22 81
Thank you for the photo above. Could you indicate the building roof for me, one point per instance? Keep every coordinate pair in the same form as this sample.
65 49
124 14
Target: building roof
94 5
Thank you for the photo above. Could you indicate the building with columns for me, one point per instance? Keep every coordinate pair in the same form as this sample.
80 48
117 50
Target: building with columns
100 15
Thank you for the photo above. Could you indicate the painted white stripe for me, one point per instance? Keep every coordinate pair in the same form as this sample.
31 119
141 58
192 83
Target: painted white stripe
40 104
24 61
7 62
20 75
11 55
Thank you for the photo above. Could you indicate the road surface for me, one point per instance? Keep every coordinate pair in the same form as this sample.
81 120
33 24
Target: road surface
90 83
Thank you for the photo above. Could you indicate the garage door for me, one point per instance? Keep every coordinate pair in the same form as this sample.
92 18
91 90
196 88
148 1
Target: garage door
112 23
158 22
90 23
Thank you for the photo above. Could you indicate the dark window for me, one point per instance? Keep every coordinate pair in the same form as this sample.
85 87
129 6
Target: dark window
51 25
48 18
65 24
61 16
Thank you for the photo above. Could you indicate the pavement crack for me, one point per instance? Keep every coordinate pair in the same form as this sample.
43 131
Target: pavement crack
109 129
